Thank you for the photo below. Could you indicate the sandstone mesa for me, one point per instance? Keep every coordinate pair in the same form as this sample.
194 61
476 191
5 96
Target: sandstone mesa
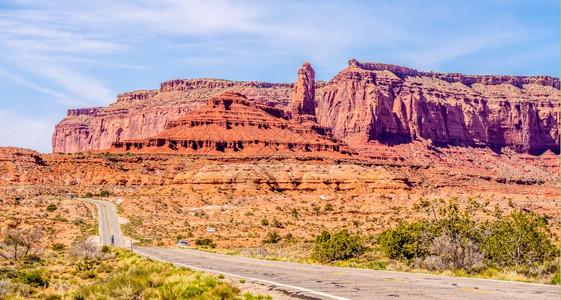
365 106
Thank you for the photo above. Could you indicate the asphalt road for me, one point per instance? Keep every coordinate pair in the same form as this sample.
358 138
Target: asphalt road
108 222
323 282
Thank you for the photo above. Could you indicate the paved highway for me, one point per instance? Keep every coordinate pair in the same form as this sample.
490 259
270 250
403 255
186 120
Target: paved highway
108 222
323 282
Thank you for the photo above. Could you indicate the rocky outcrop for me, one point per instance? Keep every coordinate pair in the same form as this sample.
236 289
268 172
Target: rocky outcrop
231 123
303 100
365 105
145 113
372 102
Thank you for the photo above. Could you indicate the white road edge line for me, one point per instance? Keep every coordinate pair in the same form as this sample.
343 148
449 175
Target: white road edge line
248 278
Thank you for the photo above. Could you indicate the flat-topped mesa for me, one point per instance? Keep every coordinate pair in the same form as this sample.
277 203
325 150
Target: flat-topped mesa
139 95
181 85
399 105
231 123
303 99
89 111
518 81
373 66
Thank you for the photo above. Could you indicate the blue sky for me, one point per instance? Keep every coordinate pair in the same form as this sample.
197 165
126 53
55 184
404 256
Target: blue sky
56 55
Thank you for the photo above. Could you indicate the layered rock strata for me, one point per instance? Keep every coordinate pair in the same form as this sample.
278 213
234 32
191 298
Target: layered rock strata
231 123
371 102
367 105
145 113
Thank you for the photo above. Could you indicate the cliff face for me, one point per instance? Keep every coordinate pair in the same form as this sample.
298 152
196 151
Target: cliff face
369 102
145 113
231 123
366 105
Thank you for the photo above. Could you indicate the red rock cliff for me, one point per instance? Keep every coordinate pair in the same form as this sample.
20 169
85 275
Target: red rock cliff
145 113
379 102
365 103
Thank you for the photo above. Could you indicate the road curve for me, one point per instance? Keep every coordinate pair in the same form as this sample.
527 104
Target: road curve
108 222
324 282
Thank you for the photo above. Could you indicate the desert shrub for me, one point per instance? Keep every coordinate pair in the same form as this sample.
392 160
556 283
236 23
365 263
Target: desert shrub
273 237
51 207
265 222
4 288
289 238
87 195
277 224
453 252
205 242
58 247
34 278
340 246
457 242
53 297
104 193
105 249
519 239
139 278
328 207
406 241
85 247
10 290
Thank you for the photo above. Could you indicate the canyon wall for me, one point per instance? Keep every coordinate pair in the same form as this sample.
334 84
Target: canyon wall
366 105
372 102
145 113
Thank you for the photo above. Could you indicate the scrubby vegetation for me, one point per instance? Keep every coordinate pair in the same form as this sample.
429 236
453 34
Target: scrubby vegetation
452 240
340 246
85 272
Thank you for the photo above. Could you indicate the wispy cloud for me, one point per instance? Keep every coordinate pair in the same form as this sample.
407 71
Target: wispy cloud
78 53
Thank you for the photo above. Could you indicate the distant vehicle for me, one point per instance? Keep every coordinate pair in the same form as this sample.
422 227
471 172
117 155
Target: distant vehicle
182 244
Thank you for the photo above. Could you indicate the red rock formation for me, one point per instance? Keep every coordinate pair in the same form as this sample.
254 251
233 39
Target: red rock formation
303 100
365 103
230 123
145 113
369 102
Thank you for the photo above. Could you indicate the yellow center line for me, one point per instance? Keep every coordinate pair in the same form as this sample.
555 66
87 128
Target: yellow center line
476 291
391 279
336 273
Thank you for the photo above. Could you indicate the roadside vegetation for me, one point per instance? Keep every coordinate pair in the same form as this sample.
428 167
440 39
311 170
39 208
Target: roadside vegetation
469 241
87 271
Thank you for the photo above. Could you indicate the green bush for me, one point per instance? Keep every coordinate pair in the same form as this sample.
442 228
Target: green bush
105 249
519 239
273 237
456 241
205 242
58 247
405 241
53 297
104 193
265 222
340 246
51 207
87 195
35 278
